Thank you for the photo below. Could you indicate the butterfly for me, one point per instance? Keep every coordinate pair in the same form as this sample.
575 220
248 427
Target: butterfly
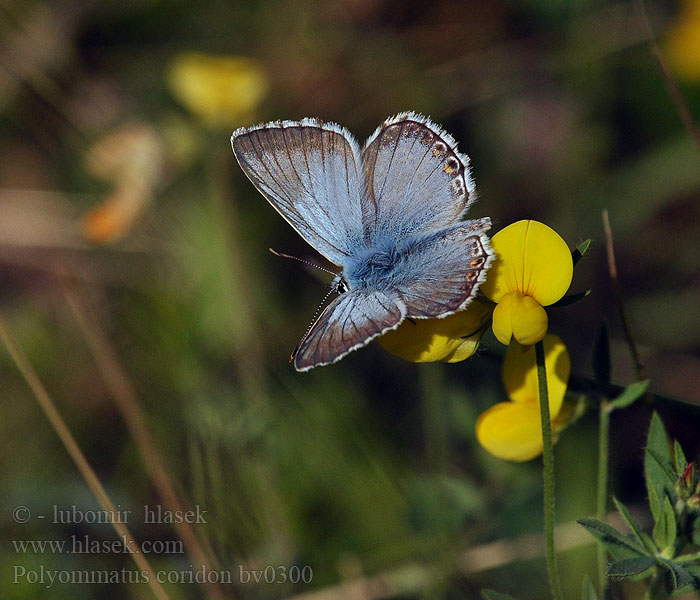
389 215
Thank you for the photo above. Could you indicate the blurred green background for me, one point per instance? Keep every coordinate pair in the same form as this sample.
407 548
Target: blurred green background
124 216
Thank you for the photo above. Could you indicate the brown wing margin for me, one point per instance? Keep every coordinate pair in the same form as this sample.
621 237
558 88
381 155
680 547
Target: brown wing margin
351 321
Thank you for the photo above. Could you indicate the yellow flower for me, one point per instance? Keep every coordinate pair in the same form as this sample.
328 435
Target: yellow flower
451 339
533 268
220 90
513 430
683 42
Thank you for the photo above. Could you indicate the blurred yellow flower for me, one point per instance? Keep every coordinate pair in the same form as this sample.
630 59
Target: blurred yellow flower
533 268
220 90
513 430
682 46
451 339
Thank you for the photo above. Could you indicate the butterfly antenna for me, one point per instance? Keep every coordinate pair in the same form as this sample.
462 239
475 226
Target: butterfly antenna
333 290
301 260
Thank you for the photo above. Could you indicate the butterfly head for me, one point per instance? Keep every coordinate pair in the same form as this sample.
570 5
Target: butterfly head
339 285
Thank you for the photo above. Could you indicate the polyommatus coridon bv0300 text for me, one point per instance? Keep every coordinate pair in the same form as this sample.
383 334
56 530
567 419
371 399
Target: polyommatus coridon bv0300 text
389 214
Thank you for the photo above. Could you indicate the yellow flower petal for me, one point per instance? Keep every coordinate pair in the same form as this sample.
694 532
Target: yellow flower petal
221 90
520 317
519 373
451 339
465 349
511 431
531 259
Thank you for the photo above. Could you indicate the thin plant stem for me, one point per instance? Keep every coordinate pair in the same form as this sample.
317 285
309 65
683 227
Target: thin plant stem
619 297
59 426
602 488
127 402
548 472
673 91
656 589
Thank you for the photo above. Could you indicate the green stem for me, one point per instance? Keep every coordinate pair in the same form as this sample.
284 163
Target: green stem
548 470
602 492
656 589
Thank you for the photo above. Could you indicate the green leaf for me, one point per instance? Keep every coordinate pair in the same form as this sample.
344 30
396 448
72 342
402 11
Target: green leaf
636 531
589 592
695 531
691 558
630 394
681 576
630 566
694 571
493 595
657 459
580 251
602 367
620 545
665 467
571 298
679 458
666 527
648 542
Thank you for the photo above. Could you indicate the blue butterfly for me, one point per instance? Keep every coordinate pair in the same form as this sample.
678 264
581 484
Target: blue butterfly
390 215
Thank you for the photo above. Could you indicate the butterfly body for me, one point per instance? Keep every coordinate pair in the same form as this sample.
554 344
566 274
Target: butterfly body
389 215
378 266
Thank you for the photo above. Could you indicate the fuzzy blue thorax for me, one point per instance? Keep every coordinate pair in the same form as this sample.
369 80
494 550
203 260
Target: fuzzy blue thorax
381 266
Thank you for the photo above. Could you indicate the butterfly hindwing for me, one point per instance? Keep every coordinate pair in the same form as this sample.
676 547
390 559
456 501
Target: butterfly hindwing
445 270
351 321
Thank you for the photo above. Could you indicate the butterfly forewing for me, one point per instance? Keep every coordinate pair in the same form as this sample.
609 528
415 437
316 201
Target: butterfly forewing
416 179
310 172
351 321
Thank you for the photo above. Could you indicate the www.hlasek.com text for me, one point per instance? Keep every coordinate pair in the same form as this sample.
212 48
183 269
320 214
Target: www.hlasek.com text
84 544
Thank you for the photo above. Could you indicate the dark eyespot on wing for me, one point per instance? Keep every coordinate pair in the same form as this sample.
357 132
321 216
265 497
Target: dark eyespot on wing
416 179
